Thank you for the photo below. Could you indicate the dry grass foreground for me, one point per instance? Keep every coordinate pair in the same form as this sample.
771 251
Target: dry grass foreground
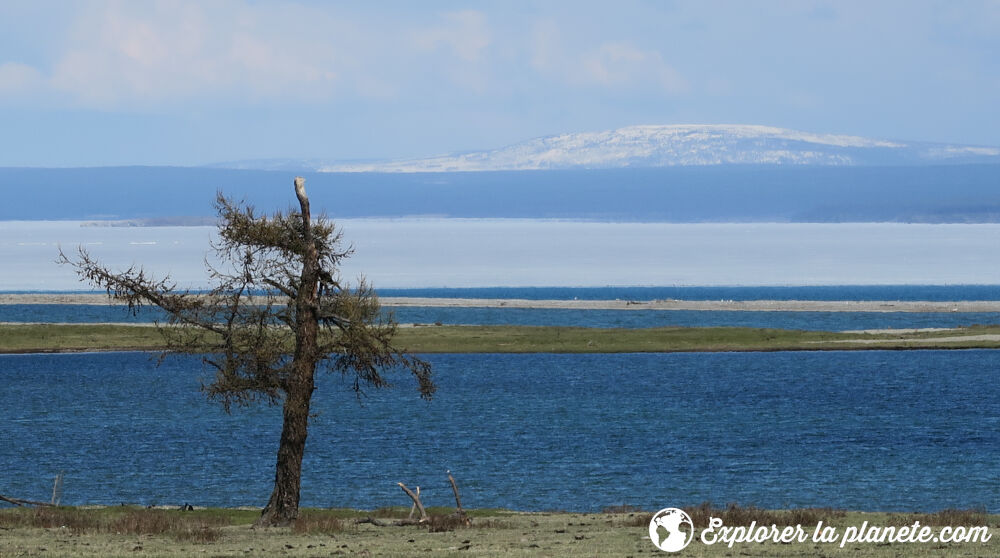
27 338
619 531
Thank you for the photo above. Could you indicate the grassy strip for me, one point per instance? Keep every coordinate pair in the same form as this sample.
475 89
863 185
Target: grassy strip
618 531
528 339
16 338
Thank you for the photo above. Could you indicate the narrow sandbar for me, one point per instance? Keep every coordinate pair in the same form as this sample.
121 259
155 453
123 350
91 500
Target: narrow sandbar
709 305
669 304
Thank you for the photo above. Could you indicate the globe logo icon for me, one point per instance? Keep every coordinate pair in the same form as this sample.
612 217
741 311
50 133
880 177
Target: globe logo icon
668 532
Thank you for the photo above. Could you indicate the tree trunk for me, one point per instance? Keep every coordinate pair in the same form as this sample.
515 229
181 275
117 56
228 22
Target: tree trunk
283 507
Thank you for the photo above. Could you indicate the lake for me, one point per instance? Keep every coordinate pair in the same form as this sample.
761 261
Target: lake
412 253
875 430
822 321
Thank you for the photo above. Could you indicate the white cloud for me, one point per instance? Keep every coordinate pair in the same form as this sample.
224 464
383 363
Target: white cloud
621 63
611 64
121 54
169 54
140 53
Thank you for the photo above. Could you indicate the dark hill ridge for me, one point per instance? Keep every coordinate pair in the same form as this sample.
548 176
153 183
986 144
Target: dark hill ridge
724 193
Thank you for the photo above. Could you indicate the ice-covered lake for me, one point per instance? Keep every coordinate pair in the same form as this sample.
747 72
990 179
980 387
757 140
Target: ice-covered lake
409 253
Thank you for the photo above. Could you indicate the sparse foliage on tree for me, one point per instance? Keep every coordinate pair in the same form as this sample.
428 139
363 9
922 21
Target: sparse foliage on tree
277 314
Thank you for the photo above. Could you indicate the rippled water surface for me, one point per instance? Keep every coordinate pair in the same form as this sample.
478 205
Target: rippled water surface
822 321
865 430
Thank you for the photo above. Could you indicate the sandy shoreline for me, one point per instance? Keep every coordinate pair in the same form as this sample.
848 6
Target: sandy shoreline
707 305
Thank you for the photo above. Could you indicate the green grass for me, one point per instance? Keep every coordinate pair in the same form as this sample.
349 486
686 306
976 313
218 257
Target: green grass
526 339
123 531
68 337
530 339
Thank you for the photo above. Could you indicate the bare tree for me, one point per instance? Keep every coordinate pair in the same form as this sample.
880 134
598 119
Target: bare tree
278 312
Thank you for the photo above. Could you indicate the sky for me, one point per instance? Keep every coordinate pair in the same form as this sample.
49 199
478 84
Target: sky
95 83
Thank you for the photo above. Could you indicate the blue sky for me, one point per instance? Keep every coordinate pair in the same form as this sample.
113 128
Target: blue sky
186 83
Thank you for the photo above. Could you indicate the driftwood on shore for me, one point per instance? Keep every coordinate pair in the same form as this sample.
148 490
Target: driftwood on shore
402 522
416 501
458 515
23 502
458 501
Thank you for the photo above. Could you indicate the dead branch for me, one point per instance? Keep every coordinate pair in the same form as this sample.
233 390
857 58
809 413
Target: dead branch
22 501
57 489
436 523
380 523
416 501
458 501
459 512
413 508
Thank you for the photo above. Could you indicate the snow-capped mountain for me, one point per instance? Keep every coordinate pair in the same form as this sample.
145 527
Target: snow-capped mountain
663 146
667 146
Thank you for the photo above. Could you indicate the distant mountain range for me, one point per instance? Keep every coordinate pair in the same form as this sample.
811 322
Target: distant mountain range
641 173
664 146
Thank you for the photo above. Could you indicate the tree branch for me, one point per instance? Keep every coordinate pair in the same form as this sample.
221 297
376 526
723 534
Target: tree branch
416 501
22 501
458 501
285 290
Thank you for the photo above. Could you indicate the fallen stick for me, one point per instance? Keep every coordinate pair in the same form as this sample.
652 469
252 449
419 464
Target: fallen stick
459 512
416 501
57 489
413 508
458 501
22 501
380 523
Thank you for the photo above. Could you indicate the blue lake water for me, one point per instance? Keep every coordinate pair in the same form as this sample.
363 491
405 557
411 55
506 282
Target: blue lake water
877 430
823 321
822 292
